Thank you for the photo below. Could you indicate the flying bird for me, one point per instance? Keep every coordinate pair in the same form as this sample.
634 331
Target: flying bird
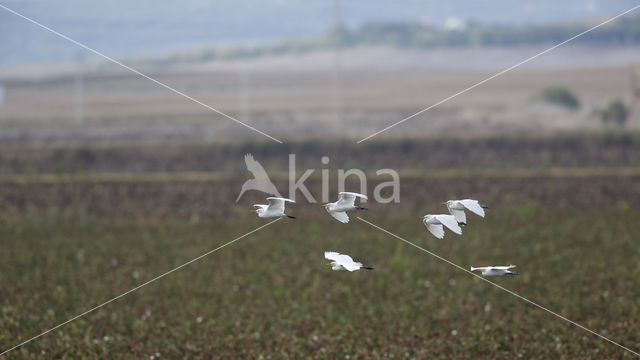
343 262
260 179
274 209
457 208
346 202
495 270
434 224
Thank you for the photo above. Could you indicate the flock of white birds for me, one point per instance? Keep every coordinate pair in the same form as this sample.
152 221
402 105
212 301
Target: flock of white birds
434 223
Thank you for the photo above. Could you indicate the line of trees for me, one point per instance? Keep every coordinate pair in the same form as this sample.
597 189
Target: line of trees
415 35
623 31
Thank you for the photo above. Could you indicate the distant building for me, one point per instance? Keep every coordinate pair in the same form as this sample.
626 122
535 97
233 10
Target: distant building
454 24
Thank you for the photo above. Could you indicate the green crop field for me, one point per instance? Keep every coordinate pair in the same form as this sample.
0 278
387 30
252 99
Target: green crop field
271 294
73 242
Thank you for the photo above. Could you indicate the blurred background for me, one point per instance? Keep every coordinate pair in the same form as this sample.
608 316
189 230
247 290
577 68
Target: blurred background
325 68
108 179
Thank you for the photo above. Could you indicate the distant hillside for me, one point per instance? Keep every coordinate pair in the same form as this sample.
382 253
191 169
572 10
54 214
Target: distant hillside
149 28
624 31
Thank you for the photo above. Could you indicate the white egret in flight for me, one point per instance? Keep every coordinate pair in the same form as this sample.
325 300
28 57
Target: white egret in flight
434 224
346 202
495 270
343 262
274 209
457 208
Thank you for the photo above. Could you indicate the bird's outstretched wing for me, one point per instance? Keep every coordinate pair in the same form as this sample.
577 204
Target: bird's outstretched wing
450 222
340 215
460 216
344 258
473 206
349 198
277 204
436 229
504 267
347 262
354 194
352 266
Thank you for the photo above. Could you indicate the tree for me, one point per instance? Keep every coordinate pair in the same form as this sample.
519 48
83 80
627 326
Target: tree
615 113
558 95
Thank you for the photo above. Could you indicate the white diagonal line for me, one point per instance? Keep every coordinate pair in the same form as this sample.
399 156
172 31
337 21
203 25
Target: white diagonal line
498 74
136 288
138 72
499 287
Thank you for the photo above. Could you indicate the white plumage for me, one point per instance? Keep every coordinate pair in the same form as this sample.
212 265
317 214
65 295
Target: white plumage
495 270
434 224
274 209
346 202
343 262
457 208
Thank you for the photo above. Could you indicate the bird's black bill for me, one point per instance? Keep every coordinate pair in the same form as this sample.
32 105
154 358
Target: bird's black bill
462 224
362 208
291 217
367 267
484 206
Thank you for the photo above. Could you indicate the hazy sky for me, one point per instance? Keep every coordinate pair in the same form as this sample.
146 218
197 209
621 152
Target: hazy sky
147 27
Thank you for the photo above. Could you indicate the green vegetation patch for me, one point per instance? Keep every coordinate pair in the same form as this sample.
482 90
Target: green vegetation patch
272 295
